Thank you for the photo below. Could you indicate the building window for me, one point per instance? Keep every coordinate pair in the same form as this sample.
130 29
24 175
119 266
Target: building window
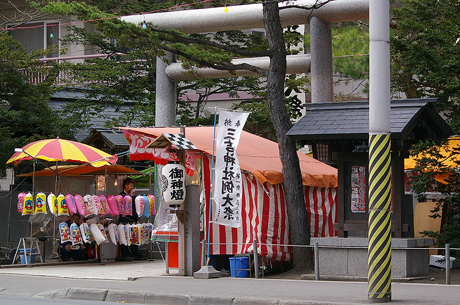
258 33
322 153
39 35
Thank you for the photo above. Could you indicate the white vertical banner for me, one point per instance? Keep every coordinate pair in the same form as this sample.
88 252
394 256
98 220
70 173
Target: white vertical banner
227 189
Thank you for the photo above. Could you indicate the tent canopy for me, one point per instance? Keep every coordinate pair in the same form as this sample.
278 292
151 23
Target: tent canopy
445 151
86 169
256 155
448 159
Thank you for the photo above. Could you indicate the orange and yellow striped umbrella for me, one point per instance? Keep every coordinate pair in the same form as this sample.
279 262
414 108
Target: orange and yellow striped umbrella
63 150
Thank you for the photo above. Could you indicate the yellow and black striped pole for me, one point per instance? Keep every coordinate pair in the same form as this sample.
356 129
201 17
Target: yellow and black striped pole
379 250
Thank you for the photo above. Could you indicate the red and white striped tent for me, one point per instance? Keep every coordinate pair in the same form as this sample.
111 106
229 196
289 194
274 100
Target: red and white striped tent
263 207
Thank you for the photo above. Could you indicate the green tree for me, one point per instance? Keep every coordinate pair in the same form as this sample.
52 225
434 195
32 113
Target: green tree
425 49
433 163
24 114
350 51
200 114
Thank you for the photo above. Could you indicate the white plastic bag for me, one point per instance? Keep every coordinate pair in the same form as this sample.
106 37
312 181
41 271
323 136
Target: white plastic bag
113 233
99 237
122 235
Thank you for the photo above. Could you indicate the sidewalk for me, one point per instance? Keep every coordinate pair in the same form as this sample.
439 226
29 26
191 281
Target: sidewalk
145 282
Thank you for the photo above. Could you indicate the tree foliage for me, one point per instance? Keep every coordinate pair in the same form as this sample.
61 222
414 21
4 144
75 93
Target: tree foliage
25 114
436 170
350 51
126 75
426 53
350 47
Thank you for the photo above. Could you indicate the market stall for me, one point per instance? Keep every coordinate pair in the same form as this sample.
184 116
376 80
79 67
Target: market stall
264 216
49 204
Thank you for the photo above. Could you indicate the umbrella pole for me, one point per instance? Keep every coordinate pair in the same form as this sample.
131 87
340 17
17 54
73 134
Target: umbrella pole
33 195
33 179
54 218
9 212
56 181
150 178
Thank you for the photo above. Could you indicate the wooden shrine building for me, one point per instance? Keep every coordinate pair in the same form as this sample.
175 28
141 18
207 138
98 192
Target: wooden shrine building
339 135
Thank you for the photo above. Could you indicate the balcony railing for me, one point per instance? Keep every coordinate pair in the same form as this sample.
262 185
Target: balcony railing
36 78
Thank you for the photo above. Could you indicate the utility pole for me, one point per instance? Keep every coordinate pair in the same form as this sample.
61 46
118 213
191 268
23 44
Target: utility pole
379 248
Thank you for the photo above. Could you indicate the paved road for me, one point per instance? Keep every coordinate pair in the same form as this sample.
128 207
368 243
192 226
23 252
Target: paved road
110 283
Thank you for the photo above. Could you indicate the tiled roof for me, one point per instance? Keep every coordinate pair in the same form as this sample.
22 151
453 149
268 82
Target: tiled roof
114 136
61 98
350 120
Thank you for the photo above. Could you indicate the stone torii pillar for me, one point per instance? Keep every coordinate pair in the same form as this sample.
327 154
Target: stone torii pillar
321 61
165 97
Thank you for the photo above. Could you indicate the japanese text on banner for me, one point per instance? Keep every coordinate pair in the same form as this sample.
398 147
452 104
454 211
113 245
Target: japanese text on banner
227 190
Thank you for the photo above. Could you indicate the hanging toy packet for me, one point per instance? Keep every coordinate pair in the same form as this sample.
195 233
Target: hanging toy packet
141 235
40 204
139 202
122 235
52 204
70 200
28 208
97 204
21 197
113 205
80 204
89 207
62 206
129 234
104 233
64 231
86 233
98 235
121 205
146 211
150 230
145 233
152 203
75 234
128 205
135 235
105 205
113 233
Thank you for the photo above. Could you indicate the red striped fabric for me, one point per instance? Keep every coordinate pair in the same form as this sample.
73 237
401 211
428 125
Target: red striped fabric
264 218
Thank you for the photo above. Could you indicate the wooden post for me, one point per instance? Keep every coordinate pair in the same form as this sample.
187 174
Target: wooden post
181 215
182 231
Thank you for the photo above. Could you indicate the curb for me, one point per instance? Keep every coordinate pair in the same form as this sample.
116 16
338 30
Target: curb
349 278
121 296
90 261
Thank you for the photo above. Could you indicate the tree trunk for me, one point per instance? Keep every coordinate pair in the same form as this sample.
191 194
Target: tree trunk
293 189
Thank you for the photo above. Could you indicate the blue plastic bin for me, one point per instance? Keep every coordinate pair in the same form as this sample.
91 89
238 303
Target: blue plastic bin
23 259
237 263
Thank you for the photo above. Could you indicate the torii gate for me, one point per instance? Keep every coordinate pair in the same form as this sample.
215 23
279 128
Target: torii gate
251 16
246 17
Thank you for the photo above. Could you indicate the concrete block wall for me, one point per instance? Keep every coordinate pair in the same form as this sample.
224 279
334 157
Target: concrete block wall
348 256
